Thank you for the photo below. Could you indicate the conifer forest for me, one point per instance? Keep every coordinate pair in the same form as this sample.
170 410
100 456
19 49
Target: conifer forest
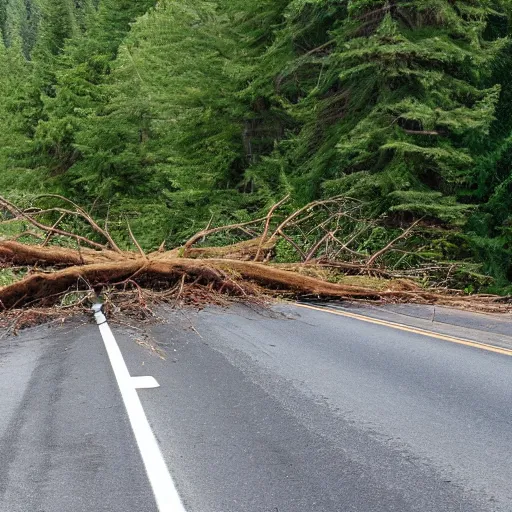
176 116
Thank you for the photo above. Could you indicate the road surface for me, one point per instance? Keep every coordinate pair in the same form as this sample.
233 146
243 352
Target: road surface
283 410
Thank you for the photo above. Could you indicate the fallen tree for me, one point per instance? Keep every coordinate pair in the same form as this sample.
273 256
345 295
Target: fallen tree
323 235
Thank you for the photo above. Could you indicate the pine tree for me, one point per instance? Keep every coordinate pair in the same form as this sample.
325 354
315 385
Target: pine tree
282 77
18 24
172 128
165 118
58 23
14 129
490 226
81 69
393 103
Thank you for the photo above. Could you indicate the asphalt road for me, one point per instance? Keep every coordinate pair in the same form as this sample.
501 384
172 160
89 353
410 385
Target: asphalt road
288 410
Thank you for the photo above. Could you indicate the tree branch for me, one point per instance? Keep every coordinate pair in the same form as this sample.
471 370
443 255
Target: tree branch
378 254
267 225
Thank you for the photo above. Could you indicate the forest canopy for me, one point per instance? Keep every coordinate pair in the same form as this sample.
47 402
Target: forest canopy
178 114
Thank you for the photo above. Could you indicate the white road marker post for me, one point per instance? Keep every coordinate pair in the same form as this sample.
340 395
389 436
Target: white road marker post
164 489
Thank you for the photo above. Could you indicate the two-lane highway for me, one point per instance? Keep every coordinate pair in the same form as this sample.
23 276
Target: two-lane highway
286 410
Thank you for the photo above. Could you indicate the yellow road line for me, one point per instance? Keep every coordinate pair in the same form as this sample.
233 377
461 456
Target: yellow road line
402 327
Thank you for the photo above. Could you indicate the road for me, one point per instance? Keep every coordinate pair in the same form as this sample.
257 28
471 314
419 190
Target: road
282 410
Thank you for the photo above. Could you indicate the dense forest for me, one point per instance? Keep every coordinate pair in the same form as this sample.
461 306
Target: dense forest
181 113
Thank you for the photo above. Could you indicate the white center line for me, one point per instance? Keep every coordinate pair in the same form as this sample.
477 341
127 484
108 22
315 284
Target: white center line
164 489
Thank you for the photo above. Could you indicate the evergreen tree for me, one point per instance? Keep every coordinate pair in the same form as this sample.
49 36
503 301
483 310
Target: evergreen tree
283 77
173 127
14 129
166 119
18 23
393 103
80 71
490 225
58 22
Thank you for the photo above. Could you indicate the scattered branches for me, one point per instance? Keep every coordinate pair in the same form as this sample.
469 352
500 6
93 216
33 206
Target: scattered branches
82 213
330 239
53 230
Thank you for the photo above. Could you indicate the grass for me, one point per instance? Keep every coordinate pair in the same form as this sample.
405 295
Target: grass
9 276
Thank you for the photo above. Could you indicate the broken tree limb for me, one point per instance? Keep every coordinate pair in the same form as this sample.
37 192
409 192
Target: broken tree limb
203 234
41 286
24 254
389 246
318 233
49 229
94 225
267 225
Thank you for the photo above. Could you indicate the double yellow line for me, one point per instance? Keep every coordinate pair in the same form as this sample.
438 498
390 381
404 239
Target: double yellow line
415 330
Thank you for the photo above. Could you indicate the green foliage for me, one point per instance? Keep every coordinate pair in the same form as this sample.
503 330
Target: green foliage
395 100
169 114
285 252
8 276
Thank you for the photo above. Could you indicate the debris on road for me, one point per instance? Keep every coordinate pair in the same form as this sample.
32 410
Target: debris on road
61 268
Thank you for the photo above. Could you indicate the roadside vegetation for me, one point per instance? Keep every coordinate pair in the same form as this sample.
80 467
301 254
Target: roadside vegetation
391 120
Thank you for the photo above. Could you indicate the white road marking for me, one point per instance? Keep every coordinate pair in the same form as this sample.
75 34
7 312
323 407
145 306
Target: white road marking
164 489
144 382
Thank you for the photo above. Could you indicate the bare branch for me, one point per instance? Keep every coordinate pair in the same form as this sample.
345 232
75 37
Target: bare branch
315 248
295 246
134 240
205 233
89 219
422 132
406 233
47 229
311 206
267 225
49 235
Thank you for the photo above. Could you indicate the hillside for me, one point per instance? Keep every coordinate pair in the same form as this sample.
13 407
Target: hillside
176 115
